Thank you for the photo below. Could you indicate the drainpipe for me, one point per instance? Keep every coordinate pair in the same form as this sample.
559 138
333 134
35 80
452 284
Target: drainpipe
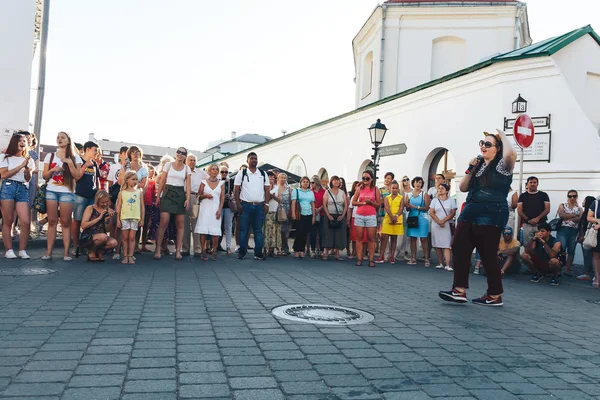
381 58
398 55
39 103
516 37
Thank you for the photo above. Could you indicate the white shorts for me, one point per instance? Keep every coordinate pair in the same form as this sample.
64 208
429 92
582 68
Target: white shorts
129 224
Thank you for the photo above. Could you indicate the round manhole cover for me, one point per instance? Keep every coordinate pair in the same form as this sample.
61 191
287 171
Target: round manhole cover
26 271
323 314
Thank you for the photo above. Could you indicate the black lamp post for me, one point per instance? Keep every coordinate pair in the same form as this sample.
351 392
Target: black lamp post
377 132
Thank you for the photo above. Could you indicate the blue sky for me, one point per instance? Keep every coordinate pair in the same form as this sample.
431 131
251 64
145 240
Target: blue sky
186 72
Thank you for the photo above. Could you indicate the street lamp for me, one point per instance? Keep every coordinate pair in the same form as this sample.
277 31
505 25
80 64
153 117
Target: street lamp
377 132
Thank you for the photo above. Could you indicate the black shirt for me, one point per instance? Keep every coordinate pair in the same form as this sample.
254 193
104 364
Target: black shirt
87 185
539 250
534 204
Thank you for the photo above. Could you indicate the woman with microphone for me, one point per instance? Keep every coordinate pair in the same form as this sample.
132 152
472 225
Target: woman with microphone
485 214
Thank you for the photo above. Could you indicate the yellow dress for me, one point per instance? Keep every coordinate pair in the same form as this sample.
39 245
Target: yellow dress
388 228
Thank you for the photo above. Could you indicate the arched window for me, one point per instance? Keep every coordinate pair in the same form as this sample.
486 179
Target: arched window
297 166
367 76
448 54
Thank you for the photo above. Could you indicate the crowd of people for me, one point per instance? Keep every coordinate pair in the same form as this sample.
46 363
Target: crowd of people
121 209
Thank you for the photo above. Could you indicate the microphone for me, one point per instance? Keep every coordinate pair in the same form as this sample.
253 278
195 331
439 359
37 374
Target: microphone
479 162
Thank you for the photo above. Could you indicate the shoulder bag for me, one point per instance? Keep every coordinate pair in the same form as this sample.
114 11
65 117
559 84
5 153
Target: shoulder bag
452 226
413 222
590 239
282 216
297 208
39 201
334 224
556 223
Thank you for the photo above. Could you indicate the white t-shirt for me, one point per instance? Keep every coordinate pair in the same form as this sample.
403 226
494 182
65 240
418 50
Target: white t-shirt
253 188
13 162
198 175
56 182
432 192
112 173
176 178
273 204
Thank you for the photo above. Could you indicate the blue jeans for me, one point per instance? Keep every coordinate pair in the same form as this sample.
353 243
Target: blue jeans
252 215
568 239
15 191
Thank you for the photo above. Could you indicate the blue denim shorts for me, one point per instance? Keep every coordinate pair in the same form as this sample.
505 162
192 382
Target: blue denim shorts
365 221
60 197
81 204
14 190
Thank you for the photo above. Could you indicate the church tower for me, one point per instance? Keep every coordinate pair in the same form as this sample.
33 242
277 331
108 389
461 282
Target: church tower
405 43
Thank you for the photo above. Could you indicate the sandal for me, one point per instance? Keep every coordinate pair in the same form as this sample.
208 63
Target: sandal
412 262
178 257
214 257
46 258
131 261
324 257
358 264
67 258
204 257
371 264
596 284
125 260
92 259
157 256
427 263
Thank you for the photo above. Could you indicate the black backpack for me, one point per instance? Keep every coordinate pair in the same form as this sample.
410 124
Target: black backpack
245 175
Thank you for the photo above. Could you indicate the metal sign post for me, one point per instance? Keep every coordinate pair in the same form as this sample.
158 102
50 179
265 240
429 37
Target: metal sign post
524 134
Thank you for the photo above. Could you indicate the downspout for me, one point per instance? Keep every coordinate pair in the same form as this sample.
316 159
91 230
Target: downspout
516 37
381 58
398 55
41 87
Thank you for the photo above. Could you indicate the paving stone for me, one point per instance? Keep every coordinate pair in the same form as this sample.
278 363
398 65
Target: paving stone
252 383
151 373
96 393
262 394
294 376
101 369
43 376
96 381
411 395
211 366
152 362
304 387
344 380
203 391
33 389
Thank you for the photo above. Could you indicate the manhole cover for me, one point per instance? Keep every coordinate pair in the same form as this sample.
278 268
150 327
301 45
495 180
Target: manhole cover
323 314
26 271
596 302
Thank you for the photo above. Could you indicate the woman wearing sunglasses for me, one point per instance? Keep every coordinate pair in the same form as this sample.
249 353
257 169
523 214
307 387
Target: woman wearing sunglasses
570 213
485 214
367 199
173 197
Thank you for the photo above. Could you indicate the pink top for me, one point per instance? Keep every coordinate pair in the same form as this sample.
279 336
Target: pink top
367 209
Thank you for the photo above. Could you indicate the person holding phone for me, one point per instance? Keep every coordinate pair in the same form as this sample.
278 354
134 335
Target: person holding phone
94 225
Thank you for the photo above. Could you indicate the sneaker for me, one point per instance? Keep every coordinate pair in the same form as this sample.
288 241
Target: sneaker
448 268
260 257
476 271
10 254
486 300
392 260
237 249
116 256
240 257
380 260
554 281
440 266
583 277
23 255
536 278
453 296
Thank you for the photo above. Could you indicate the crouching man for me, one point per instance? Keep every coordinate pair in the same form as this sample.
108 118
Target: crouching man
541 255
508 252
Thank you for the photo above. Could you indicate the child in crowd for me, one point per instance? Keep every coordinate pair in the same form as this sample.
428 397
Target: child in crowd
130 215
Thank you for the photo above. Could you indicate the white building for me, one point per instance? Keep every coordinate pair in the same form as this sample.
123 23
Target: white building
405 43
441 120
223 148
19 32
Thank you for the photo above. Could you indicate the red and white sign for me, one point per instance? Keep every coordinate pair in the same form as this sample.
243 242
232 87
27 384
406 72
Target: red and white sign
524 131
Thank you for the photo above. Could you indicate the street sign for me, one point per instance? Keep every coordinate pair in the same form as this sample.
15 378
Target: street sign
392 150
538 122
524 131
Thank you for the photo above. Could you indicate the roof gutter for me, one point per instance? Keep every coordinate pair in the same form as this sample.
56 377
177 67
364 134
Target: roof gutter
454 4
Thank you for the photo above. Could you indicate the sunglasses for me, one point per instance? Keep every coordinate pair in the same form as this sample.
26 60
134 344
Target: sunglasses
572 196
224 172
507 233
405 180
181 153
366 178
486 144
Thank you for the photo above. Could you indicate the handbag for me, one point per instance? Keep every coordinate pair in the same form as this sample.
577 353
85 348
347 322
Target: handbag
282 217
413 222
39 201
452 226
556 223
334 224
195 210
590 240
297 208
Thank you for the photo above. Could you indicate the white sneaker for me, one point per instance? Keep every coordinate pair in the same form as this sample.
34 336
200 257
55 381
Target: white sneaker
237 249
23 255
10 254
440 266
476 272
448 268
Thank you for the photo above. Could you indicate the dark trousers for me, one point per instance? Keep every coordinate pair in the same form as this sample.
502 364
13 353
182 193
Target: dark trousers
303 228
486 239
253 216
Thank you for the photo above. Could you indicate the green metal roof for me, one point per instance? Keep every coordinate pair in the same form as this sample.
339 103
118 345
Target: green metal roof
544 48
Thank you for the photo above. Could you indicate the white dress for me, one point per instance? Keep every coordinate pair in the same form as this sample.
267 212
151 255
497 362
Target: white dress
441 238
207 223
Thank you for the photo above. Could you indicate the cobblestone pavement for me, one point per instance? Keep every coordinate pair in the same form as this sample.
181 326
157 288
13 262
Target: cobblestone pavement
193 329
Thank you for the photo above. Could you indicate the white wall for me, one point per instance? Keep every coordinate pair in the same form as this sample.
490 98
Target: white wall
453 115
410 33
16 46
